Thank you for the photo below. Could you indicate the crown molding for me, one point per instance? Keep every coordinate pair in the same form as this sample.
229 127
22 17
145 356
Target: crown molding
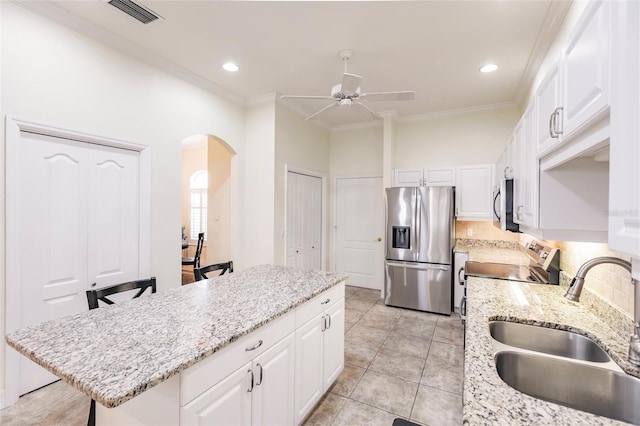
267 98
553 20
68 20
455 112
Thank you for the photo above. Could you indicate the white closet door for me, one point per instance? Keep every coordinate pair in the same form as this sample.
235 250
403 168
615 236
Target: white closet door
114 211
52 200
312 222
294 220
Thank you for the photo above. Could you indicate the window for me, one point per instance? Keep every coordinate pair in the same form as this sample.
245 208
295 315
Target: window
198 184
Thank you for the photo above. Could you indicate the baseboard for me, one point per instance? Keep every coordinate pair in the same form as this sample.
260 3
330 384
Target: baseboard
2 399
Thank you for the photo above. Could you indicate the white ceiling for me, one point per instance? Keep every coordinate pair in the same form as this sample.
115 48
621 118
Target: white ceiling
432 47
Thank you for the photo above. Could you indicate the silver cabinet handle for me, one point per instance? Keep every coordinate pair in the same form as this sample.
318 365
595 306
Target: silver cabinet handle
460 280
324 302
259 382
323 324
329 319
250 388
518 212
557 120
463 309
94 284
254 347
551 124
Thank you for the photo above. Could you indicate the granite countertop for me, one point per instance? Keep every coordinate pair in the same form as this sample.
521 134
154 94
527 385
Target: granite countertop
487 399
116 352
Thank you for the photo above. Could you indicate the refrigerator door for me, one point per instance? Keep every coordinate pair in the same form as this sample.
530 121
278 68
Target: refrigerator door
425 287
401 224
434 224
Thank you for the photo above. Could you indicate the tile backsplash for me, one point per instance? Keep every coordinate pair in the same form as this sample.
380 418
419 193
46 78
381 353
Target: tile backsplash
610 282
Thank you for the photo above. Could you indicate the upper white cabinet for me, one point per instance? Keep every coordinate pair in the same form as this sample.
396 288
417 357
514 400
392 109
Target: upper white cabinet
474 192
585 68
425 177
574 94
624 173
526 170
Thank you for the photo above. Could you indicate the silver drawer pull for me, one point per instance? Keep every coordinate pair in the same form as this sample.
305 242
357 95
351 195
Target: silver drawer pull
324 302
254 347
259 382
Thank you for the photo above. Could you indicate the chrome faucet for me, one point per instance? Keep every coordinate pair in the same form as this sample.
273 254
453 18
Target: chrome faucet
575 288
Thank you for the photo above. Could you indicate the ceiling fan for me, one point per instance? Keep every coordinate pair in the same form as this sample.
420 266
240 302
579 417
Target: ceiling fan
348 93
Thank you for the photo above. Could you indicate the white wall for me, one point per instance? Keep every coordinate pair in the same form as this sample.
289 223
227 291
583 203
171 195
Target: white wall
301 145
356 152
219 208
54 76
471 138
259 182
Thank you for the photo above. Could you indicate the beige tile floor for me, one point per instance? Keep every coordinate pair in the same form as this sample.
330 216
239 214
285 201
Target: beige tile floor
398 363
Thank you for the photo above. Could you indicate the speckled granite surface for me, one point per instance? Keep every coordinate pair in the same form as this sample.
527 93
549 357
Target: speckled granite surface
117 352
487 399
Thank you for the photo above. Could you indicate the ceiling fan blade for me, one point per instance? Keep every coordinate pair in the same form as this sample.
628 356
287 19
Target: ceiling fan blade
389 96
305 97
321 111
360 105
350 83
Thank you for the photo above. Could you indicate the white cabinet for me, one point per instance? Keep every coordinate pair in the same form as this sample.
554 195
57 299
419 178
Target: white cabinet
425 177
624 173
319 351
474 192
258 393
574 94
526 171
304 221
585 68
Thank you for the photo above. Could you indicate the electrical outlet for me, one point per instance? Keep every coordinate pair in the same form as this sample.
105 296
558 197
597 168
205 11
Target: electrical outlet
469 232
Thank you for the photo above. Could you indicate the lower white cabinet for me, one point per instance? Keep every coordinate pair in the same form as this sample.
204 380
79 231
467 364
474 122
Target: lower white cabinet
319 357
258 393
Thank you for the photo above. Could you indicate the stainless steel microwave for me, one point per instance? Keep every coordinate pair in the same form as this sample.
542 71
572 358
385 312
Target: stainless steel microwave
503 198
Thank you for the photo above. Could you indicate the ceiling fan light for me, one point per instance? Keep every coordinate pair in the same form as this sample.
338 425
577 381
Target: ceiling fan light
231 67
488 68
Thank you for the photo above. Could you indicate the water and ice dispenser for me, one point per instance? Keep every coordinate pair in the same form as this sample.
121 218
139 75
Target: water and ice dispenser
401 237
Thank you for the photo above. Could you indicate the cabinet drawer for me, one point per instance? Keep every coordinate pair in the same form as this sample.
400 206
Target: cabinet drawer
198 378
318 304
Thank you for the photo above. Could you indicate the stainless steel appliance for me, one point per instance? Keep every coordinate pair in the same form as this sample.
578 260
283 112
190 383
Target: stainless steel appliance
543 267
503 206
420 234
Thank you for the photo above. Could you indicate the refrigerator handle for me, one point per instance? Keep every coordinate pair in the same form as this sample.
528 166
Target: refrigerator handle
420 266
418 222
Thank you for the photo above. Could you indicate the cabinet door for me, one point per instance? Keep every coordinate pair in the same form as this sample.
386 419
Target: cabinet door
294 220
547 100
407 177
273 393
474 192
440 177
527 171
624 173
333 344
585 64
309 386
227 403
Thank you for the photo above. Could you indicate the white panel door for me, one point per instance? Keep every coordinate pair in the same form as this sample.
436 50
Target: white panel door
52 215
113 216
273 393
304 221
309 386
359 231
227 403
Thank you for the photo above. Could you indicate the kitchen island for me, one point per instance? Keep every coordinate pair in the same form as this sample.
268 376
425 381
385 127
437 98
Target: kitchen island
488 400
153 356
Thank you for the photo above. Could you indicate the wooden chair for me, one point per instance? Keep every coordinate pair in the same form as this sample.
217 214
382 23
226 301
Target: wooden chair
94 296
195 260
199 273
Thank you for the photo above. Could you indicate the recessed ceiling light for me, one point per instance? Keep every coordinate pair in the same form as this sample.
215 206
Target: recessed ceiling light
489 68
231 67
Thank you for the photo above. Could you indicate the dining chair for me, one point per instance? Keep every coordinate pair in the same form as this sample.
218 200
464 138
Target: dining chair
195 260
199 273
93 299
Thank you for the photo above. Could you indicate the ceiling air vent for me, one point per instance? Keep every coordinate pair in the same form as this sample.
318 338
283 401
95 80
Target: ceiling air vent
135 10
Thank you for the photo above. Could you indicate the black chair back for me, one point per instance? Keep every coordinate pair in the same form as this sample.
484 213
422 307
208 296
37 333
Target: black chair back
195 260
200 273
94 296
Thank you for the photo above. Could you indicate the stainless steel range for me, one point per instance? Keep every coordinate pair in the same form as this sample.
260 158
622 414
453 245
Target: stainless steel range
543 267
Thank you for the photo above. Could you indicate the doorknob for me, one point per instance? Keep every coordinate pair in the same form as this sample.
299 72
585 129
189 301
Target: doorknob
379 239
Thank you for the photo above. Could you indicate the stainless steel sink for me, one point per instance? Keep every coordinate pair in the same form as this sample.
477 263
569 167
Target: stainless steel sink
582 386
547 340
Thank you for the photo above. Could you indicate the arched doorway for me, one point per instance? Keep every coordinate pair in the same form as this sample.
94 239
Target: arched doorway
206 199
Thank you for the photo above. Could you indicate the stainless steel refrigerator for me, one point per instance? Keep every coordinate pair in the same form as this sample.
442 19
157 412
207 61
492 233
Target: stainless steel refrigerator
420 235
